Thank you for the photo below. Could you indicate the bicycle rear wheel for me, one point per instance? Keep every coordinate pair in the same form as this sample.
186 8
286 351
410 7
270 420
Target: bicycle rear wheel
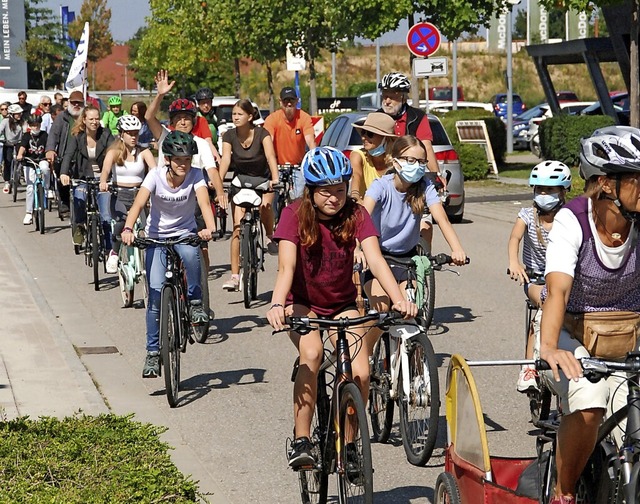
15 179
39 208
247 263
170 344
355 483
201 333
428 305
419 413
380 403
95 250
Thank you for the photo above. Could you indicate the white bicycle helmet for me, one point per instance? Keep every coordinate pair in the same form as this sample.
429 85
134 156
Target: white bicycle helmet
14 109
395 81
607 154
551 174
129 123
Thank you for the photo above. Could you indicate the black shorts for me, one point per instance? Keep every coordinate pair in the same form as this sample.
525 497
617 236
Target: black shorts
400 272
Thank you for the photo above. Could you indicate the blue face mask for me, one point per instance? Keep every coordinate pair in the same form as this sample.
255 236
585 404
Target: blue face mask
378 151
411 173
546 202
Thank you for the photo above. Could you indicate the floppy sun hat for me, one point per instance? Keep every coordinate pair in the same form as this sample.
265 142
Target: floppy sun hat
378 123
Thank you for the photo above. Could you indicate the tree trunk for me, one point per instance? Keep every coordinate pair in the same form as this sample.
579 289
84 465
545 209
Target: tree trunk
270 86
44 86
236 74
634 77
313 97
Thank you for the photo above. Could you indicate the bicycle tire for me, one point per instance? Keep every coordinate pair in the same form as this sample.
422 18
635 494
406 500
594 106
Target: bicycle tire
419 413
357 486
95 251
427 309
314 484
40 208
15 180
539 403
170 345
142 278
247 260
222 223
124 268
380 403
258 260
446 490
201 333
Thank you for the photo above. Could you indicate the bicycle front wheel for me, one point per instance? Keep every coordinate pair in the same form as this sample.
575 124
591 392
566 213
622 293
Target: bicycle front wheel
39 208
419 411
380 403
170 344
355 482
222 223
201 333
95 251
427 308
247 262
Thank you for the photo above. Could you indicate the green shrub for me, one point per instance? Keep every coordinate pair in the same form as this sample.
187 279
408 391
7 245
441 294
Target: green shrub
560 135
88 460
473 158
359 88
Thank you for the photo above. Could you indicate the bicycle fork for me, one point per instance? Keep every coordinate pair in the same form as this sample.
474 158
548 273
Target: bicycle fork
401 337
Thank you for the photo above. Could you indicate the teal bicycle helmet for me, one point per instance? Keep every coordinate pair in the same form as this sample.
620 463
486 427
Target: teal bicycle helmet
179 144
551 174
324 166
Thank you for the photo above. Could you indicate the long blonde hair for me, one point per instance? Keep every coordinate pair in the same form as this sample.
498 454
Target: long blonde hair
119 149
79 126
414 196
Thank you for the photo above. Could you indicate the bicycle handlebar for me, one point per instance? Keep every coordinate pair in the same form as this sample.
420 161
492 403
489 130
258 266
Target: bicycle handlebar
304 325
436 260
193 240
534 277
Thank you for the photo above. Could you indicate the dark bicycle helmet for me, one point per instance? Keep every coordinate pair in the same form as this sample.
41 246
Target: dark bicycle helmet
204 94
182 105
395 81
115 101
178 143
323 166
34 119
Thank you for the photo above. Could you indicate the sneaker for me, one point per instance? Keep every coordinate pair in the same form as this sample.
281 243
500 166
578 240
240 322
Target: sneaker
112 262
354 474
563 499
300 453
151 367
63 208
28 219
78 235
7 188
233 284
527 379
272 248
197 313
50 194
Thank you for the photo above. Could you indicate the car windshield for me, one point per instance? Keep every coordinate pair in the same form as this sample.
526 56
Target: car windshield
536 111
503 99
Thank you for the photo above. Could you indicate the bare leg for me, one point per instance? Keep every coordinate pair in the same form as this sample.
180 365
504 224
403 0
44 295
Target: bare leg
238 213
266 213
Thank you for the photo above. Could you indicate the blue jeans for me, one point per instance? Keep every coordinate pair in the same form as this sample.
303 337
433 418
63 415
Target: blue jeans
156 265
104 207
298 183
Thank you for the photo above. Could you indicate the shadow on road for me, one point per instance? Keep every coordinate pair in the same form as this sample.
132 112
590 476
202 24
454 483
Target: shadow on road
404 495
236 325
452 315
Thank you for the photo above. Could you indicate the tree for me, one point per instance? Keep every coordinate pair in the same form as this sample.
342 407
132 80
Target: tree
96 13
556 25
44 48
634 15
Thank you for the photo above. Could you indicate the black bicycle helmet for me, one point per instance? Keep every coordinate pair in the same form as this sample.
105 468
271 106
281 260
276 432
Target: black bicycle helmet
34 119
395 81
178 143
204 94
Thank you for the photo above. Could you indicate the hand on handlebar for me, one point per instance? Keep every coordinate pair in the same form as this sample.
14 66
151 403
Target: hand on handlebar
65 180
359 258
275 316
222 200
517 272
406 308
458 257
127 237
206 234
104 186
562 359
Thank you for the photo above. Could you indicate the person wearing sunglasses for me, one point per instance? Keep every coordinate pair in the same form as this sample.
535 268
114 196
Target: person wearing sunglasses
59 138
370 163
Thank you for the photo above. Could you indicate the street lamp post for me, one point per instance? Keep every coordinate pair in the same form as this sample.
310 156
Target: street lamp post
510 5
126 68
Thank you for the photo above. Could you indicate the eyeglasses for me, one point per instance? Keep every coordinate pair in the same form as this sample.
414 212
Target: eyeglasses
4 109
77 103
47 104
368 134
411 160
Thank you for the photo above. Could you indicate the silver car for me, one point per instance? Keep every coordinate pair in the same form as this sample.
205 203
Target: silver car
341 135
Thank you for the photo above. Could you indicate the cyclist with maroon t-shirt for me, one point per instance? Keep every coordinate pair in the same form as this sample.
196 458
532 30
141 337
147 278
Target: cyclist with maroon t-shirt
317 237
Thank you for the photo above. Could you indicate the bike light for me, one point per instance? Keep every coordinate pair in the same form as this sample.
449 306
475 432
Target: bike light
168 274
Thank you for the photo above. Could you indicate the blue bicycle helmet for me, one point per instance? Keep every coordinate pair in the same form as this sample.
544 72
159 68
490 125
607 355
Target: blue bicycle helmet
324 166
551 174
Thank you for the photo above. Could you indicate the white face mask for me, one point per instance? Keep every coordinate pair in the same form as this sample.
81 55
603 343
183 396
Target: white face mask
546 202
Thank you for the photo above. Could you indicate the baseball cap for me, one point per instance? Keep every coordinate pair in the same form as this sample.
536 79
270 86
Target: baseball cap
76 96
288 92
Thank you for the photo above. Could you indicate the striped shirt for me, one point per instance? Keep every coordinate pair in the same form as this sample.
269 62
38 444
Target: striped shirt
533 252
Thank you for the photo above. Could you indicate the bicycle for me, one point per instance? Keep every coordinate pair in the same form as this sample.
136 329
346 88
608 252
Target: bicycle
284 195
406 373
14 181
249 197
40 199
219 214
176 329
94 252
339 403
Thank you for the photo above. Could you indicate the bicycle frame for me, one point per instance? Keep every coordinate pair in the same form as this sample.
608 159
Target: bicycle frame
402 335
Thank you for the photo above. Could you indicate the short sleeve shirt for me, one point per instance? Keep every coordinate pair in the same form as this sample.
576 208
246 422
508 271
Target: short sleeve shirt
251 160
201 128
399 227
34 146
323 276
203 159
172 209
288 137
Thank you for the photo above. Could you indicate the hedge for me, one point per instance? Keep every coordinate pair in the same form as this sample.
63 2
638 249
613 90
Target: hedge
560 135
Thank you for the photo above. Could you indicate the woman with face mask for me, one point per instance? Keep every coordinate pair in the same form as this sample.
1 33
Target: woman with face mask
396 202
370 163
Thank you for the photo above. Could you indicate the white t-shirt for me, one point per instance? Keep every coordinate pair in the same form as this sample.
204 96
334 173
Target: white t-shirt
203 159
565 239
172 210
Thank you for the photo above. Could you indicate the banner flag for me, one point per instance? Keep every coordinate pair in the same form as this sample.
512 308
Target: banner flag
67 17
76 78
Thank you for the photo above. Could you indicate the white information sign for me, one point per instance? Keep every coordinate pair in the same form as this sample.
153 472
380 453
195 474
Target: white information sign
430 67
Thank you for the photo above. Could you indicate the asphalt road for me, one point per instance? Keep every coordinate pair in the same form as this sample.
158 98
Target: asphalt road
235 412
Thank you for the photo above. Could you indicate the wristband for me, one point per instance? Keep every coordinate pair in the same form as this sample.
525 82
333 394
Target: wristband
127 229
276 305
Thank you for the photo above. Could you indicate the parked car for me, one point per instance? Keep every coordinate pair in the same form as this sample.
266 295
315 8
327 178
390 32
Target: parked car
566 96
621 105
444 93
499 102
342 135
446 106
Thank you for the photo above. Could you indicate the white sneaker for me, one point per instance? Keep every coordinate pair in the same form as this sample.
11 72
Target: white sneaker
28 219
50 194
527 379
112 262
7 188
